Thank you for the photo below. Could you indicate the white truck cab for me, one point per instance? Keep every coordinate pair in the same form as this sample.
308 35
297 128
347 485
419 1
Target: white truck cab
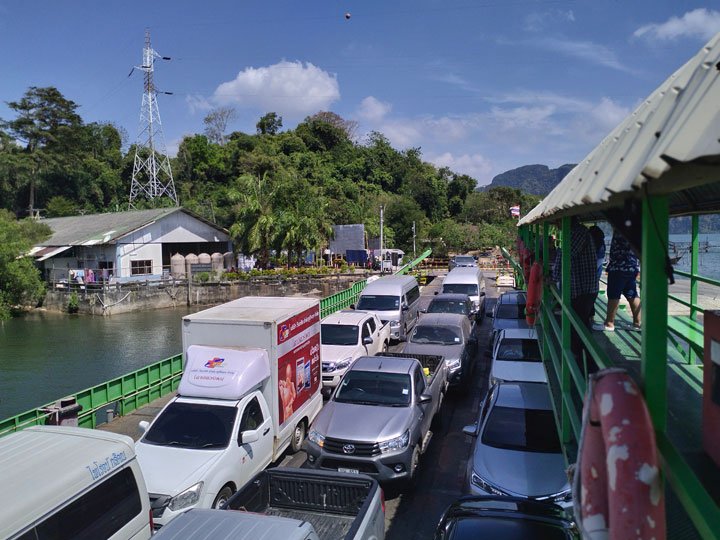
241 403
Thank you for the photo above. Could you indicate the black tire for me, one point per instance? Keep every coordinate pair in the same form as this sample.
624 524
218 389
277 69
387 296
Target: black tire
222 497
298 437
413 472
385 347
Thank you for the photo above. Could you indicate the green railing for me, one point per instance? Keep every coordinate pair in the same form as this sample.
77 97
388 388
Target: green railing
129 392
124 394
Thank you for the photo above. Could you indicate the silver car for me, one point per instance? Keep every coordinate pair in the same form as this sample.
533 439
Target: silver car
517 450
448 335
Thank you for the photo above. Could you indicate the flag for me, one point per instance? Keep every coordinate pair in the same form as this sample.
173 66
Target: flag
515 211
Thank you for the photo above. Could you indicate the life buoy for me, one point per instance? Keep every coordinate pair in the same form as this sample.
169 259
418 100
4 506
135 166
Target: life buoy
617 488
534 293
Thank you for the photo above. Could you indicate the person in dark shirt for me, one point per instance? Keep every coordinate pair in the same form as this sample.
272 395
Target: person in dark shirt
622 269
583 282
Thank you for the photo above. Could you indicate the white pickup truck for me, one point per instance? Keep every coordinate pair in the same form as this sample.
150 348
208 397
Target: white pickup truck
346 336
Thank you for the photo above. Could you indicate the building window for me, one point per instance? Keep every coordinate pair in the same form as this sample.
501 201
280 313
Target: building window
138 268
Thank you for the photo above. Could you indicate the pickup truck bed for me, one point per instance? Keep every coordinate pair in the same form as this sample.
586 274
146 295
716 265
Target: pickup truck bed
334 504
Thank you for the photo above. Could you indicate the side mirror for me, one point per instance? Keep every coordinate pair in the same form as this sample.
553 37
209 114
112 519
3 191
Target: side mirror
424 398
482 293
143 425
352 306
470 430
405 307
489 314
367 340
437 292
251 435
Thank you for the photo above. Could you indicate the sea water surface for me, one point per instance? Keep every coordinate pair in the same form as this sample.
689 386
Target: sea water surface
45 356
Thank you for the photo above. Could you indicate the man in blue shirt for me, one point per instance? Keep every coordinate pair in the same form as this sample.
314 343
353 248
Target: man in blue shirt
622 271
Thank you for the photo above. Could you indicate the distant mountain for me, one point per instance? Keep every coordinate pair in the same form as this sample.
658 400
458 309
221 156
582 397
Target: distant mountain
535 179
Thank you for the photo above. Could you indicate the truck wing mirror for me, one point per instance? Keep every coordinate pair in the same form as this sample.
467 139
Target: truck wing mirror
143 425
470 430
367 340
424 398
352 306
405 307
251 435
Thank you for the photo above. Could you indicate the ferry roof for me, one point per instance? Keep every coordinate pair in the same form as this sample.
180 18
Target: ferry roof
44 466
670 143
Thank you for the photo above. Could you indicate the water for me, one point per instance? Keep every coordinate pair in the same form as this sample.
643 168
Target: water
45 356
709 253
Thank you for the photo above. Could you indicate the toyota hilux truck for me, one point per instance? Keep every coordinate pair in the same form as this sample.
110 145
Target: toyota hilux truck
249 390
379 418
345 336
290 504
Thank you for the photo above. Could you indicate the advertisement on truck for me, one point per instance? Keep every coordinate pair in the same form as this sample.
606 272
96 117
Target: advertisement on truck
298 347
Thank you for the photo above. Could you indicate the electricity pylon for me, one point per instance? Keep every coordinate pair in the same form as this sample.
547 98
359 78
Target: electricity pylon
152 177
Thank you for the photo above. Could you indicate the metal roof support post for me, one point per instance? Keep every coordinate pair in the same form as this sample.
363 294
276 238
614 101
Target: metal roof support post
654 300
694 256
539 241
545 324
567 356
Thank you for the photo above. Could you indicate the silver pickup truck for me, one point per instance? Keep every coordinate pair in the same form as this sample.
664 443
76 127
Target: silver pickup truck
378 420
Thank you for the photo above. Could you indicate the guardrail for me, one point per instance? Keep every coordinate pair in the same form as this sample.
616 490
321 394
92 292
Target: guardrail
128 392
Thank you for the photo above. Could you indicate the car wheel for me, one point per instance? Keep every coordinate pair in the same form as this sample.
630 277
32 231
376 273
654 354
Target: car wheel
385 347
414 462
298 437
222 497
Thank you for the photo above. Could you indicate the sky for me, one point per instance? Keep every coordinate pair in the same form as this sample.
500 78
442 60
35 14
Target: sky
480 86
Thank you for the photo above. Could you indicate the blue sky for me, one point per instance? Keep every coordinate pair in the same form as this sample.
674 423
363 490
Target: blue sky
481 86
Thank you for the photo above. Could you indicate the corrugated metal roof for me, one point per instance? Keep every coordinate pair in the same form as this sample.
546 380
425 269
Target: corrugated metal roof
670 144
104 228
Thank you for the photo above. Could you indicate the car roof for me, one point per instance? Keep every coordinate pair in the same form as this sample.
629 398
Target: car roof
346 316
519 333
387 364
512 297
523 395
442 319
386 283
450 297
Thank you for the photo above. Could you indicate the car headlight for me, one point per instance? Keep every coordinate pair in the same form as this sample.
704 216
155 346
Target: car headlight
187 498
398 443
453 364
315 438
394 324
483 484
329 367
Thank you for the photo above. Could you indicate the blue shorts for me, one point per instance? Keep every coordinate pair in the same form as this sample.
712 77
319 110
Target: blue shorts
621 283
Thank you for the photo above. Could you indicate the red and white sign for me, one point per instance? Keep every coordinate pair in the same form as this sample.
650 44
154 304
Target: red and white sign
298 347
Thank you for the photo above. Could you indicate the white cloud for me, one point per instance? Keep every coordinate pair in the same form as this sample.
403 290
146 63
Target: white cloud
535 22
584 50
700 23
475 165
607 114
373 110
198 103
290 88
403 133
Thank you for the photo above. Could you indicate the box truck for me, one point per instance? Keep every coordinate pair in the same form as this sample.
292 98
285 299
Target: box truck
249 390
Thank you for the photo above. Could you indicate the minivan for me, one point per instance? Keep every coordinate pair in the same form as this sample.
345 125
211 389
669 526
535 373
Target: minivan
71 483
394 299
467 280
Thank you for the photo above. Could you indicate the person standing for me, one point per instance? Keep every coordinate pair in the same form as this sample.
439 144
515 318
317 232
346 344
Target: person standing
622 270
583 282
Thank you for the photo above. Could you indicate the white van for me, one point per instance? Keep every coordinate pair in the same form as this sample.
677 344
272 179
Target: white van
393 299
467 280
71 483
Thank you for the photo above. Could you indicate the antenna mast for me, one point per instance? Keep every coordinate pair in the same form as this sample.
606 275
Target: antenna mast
152 177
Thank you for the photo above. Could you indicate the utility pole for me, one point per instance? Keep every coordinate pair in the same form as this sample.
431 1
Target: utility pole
152 177
382 259
414 255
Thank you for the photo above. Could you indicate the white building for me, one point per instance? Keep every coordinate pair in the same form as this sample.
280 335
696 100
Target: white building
125 245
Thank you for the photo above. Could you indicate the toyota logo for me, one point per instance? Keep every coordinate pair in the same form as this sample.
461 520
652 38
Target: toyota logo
349 448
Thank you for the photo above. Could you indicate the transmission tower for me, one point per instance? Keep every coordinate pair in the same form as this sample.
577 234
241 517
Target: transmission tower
152 177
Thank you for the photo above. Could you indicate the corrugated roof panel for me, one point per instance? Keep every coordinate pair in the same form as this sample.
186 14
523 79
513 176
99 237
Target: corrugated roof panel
678 122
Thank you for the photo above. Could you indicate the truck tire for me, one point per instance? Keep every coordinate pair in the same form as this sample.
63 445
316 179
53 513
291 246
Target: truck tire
298 437
385 347
222 497
414 462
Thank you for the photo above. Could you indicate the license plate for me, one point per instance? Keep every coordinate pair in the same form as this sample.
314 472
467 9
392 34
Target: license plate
352 471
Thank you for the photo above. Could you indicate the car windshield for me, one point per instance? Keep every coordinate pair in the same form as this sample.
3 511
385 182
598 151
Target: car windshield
193 425
510 311
525 350
374 388
339 334
448 306
437 335
461 288
379 302
464 260
527 430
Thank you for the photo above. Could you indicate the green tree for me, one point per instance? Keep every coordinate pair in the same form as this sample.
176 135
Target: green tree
20 283
269 124
216 123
